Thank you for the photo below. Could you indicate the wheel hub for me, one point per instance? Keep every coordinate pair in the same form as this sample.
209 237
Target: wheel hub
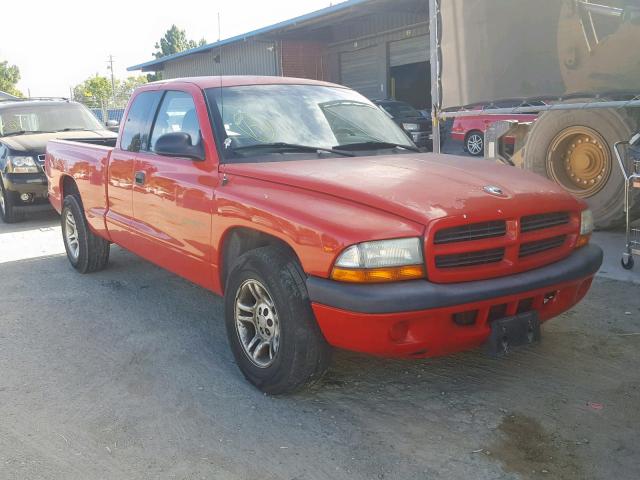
71 235
580 160
257 323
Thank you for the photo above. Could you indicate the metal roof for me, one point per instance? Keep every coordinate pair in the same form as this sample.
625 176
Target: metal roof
245 36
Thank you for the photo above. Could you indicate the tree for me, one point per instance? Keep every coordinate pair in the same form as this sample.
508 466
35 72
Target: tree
95 91
175 41
125 88
9 78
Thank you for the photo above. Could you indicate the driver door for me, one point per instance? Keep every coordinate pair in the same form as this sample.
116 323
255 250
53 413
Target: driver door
173 199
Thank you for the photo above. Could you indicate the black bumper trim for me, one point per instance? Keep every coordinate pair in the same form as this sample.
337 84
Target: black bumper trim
423 295
16 179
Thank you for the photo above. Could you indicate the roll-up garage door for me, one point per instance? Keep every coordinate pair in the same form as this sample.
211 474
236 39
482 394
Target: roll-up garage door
411 50
359 70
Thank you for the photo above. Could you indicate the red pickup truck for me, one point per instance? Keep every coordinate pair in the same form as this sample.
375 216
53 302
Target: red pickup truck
316 218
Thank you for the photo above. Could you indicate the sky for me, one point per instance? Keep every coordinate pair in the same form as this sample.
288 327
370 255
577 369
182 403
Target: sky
57 44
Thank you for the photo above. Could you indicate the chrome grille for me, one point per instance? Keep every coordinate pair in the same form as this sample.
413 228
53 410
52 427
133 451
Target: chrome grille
542 221
475 231
531 248
470 259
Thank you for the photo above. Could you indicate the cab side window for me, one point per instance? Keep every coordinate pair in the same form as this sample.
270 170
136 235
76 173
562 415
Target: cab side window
177 114
135 134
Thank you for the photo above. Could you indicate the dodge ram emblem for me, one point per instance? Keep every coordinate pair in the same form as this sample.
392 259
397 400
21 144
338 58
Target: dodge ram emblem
493 190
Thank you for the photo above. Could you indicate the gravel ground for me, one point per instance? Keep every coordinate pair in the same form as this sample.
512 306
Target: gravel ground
126 374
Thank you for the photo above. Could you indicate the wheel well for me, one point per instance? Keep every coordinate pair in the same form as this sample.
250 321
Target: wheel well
471 132
241 240
69 186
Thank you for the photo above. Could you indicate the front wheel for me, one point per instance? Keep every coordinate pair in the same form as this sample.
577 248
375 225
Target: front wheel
271 328
86 251
474 143
8 211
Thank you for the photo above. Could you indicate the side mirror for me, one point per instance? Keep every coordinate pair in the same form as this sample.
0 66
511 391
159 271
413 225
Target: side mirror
112 123
178 144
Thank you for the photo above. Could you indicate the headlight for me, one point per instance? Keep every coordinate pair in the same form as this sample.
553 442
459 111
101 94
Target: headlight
586 228
23 165
381 261
411 127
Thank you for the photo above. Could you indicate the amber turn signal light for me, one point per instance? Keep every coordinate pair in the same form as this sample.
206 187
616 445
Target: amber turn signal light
378 275
583 240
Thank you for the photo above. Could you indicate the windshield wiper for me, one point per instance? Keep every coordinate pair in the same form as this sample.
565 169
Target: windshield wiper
24 132
376 145
292 147
72 129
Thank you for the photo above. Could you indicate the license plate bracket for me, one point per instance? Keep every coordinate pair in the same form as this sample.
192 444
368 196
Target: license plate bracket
512 332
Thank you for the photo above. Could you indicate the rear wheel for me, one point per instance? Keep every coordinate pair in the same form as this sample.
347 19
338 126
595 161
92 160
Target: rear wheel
474 143
8 211
271 328
574 148
86 251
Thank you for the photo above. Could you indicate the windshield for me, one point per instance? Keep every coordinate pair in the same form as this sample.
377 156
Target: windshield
310 115
401 110
46 118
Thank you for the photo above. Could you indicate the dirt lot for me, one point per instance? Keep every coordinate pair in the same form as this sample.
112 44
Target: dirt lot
126 374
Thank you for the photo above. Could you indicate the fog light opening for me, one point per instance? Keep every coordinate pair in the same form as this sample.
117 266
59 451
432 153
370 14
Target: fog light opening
26 197
465 319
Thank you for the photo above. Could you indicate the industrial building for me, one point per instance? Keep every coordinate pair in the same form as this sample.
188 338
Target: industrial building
378 47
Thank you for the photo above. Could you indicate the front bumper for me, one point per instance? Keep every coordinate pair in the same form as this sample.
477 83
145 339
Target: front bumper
415 319
33 183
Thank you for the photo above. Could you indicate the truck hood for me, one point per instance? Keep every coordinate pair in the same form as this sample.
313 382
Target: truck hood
420 187
36 143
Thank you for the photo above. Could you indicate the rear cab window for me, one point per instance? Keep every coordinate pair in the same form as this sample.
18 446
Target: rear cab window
135 134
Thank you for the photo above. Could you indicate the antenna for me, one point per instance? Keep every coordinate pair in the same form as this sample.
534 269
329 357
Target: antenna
113 80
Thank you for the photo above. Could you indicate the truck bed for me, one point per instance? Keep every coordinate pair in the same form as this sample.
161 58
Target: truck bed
86 162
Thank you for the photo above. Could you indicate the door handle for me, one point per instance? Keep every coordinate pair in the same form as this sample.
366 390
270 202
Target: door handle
140 178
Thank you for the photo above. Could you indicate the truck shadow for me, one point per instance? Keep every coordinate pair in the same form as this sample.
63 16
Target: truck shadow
32 221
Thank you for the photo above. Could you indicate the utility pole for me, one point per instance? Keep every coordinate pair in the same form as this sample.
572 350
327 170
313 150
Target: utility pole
113 79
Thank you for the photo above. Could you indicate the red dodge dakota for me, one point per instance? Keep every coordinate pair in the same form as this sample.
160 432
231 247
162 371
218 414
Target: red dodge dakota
321 224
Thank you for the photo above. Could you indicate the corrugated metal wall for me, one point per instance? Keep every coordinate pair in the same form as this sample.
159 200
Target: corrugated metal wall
365 44
245 58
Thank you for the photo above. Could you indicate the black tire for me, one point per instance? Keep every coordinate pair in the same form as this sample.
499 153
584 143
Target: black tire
303 354
474 143
628 265
93 251
606 204
8 211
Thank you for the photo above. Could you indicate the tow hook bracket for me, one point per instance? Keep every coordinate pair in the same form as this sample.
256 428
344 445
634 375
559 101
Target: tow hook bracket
512 332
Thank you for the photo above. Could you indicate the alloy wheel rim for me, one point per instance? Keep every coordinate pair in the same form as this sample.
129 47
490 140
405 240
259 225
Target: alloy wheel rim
257 323
2 206
71 235
474 144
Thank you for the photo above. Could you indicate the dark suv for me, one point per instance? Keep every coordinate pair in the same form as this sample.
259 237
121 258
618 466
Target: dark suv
416 126
25 128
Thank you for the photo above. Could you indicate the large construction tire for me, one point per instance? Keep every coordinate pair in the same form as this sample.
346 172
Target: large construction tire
575 149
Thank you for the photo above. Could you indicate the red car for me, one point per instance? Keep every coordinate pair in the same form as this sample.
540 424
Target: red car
471 129
317 219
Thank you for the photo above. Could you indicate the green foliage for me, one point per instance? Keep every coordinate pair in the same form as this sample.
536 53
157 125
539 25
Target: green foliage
125 88
175 41
9 78
98 92
95 91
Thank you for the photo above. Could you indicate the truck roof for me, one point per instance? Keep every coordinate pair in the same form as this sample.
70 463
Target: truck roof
239 80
